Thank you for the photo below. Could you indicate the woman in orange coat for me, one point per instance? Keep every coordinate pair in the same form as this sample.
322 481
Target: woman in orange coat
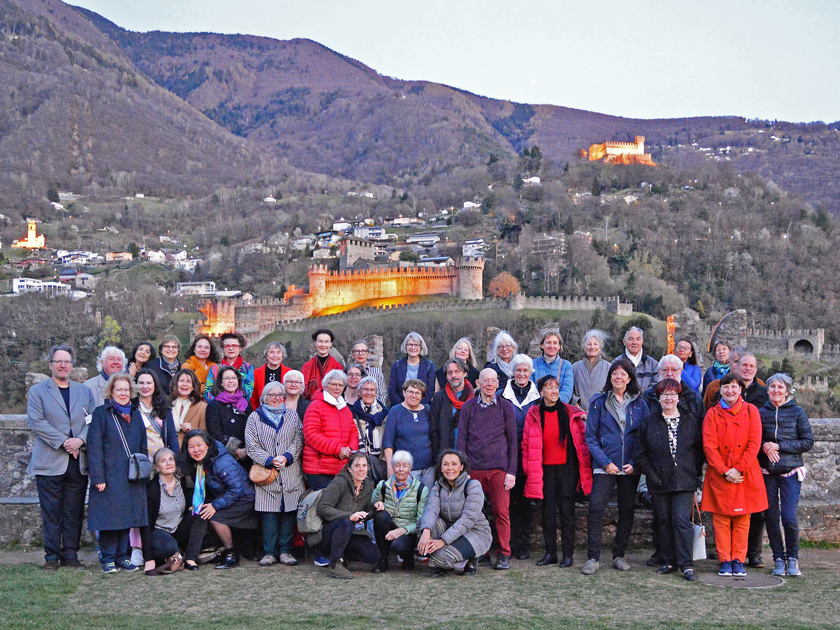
734 487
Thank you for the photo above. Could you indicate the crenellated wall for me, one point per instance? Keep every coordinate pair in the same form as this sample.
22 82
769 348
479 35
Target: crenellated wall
806 342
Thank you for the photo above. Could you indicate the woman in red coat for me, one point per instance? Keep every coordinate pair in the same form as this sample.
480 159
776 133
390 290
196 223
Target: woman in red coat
555 466
329 432
734 487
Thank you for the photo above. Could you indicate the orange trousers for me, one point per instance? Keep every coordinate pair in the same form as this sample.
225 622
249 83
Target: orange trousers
731 534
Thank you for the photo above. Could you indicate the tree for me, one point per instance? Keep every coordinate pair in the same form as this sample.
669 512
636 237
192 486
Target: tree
110 333
52 195
407 255
504 285
135 250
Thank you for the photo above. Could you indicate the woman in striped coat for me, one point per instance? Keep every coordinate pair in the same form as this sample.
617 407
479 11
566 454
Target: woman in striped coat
274 439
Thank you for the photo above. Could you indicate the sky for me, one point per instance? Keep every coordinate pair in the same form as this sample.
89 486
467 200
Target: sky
768 59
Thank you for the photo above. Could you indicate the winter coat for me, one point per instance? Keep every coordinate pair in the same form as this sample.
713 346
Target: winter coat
647 372
606 443
689 403
340 501
162 373
201 371
588 383
226 424
653 453
122 505
196 417
692 376
444 422
259 383
399 370
559 369
225 481
487 436
532 451
731 439
326 430
711 375
460 508
246 371
755 394
787 426
405 512
520 409
264 442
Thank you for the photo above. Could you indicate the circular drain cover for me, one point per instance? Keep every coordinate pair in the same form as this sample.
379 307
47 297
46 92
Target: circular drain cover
751 580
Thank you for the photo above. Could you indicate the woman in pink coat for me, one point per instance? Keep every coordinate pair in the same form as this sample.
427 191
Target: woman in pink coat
557 464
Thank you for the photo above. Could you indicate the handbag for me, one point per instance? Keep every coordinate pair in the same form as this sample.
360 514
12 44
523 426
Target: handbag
139 464
261 475
699 533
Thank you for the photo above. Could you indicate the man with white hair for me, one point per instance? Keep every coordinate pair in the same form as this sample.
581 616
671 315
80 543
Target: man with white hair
111 361
646 366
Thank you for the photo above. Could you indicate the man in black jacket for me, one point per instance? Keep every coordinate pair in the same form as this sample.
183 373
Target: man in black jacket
446 406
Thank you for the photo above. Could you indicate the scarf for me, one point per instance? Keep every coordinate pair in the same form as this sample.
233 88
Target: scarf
721 369
172 367
125 410
273 414
453 397
400 488
237 399
618 410
562 417
198 493
339 403
179 411
237 363
373 417
505 367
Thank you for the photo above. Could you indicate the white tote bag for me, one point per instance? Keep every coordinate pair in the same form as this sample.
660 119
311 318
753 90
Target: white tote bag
699 550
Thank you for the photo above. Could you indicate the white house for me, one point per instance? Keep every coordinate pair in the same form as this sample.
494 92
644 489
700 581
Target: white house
372 233
204 289
156 256
471 205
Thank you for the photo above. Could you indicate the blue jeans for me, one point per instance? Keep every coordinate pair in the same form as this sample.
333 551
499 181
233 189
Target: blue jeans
783 498
113 545
278 532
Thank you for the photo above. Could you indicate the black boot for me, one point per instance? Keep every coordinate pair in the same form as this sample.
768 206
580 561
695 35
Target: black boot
230 560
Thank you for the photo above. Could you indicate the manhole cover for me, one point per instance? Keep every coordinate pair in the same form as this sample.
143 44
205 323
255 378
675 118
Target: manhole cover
751 580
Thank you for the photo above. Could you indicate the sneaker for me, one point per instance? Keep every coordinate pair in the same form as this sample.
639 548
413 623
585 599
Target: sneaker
738 569
268 560
621 564
725 569
321 561
109 567
127 565
340 572
779 569
590 567
689 575
137 557
793 567
288 559
502 563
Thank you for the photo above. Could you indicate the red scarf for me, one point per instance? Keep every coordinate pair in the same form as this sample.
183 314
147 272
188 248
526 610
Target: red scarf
237 363
453 397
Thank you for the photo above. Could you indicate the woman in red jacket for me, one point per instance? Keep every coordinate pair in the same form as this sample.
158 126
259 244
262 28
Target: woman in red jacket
557 464
734 487
329 432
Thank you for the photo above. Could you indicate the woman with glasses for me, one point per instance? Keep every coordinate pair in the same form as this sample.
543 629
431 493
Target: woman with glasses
227 414
500 357
232 346
294 384
272 372
414 365
355 373
361 354
167 362
408 428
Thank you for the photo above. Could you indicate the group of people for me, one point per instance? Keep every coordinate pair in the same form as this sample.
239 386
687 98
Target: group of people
446 463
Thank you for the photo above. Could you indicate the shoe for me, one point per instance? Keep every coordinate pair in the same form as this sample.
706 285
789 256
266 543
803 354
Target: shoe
339 571
73 564
268 560
408 563
655 561
755 562
665 569
127 566
485 560
523 554
690 575
738 569
321 561
502 563
621 564
793 567
590 567
780 569
381 566
436 572
470 569
725 569
191 567
288 559
566 562
137 557
109 567
546 560
51 566
230 560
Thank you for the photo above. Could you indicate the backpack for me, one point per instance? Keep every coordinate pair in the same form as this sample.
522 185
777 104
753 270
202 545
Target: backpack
308 521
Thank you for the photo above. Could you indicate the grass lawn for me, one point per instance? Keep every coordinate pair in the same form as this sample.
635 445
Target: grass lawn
304 597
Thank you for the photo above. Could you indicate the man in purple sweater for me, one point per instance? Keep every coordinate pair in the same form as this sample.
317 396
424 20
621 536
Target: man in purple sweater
487 436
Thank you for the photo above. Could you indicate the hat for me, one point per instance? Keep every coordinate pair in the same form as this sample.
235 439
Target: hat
323 331
541 383
262 476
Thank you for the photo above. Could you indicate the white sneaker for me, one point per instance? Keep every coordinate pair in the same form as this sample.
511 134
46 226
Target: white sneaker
268 560
288 559
137 557
590 567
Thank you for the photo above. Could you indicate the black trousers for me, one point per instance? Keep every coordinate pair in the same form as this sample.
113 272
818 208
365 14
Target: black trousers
402 546
672 512
756 535
554 497
520 516
62 499
338 541
602 485
166 545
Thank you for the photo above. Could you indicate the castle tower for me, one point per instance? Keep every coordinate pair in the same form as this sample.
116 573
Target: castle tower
640 145
471 278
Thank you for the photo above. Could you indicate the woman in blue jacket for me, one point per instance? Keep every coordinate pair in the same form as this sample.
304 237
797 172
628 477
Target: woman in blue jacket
223 495
611 430
413 365
691 374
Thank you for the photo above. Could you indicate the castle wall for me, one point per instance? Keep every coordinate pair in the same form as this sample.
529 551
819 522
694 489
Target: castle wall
777 342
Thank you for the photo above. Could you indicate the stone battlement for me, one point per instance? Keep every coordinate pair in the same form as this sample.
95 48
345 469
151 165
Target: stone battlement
779 334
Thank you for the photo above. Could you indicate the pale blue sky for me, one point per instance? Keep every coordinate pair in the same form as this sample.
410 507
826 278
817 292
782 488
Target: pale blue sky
774 59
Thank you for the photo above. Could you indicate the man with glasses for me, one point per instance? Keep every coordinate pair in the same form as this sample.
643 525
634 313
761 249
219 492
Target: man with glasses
232 346
361 354
58 411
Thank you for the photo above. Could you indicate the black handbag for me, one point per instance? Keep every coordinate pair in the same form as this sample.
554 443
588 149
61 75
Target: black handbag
139 464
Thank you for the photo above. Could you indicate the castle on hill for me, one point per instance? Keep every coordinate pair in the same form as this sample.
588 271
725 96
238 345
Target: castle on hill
621 152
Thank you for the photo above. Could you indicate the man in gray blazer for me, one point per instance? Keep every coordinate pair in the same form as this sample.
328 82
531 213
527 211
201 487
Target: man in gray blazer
58 411
111 361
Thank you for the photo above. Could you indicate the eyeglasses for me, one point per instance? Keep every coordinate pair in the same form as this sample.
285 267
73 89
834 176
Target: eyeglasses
669 395
275 395
504 346
413 345
230 345
361 351
171 346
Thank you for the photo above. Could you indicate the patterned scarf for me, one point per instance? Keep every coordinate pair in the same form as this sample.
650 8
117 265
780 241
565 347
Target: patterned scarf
198 493
124 410
453 397
400 488
673 425
721 369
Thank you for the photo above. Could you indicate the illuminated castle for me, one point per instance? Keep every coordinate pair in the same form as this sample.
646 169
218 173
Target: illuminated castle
621 152
32 241
333 292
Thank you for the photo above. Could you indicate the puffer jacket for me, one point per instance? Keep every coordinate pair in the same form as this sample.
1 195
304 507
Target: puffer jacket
226 481
461 509
340 501
405 512
326 430
520 409
787 426
690 403
606 443
653 453
532 451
